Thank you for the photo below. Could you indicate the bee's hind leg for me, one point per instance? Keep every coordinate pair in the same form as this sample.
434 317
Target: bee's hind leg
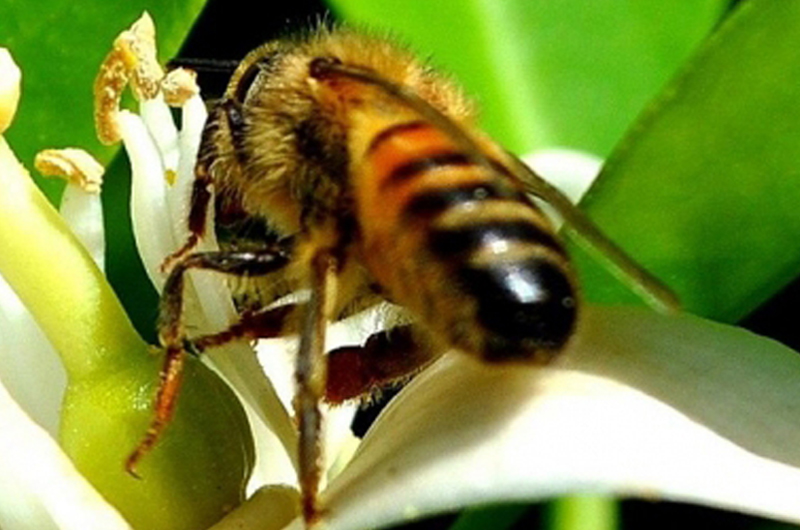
387 357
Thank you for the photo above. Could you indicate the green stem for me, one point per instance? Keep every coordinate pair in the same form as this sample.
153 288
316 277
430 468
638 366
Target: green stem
56 278
583 512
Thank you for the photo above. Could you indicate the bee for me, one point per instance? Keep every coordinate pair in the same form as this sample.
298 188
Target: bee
368 166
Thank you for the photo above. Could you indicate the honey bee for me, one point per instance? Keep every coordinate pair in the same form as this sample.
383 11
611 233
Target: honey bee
369 167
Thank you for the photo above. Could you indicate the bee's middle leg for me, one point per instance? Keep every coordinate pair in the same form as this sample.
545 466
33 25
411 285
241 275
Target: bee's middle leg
266 323
311 379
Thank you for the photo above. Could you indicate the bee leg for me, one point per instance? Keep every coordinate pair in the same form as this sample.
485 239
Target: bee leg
168 389
387 357
201 191
310 380
171 331
261 324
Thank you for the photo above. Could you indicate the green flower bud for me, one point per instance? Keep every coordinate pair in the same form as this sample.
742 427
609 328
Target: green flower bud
193 476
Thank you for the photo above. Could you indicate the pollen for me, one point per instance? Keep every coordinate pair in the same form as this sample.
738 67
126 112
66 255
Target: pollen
179 86
75 165
170 176
132 60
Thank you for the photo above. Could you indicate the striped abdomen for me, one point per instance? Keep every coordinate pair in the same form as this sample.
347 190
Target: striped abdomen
461 246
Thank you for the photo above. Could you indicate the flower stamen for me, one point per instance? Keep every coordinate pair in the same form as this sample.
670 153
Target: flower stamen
75 165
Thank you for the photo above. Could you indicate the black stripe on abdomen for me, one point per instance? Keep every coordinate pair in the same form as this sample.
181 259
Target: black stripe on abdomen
464 240
429 203
419 166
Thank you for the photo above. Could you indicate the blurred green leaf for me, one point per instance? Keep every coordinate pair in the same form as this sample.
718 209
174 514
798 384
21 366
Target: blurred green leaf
59 45
584 512
567 73
705 190
497 517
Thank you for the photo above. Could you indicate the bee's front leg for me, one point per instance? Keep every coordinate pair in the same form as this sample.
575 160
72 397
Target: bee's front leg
171 333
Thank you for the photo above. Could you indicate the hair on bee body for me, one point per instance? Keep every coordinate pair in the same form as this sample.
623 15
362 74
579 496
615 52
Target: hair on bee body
368 167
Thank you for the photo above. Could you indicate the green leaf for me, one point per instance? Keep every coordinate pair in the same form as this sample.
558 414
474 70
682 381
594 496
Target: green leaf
705 190
568 73
584 512
59 45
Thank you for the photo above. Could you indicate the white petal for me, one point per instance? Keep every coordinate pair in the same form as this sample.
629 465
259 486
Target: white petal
270 508
29 365
10 77
157 118
149 211
569 170
83 213
193 121
741 385
464 434
39 486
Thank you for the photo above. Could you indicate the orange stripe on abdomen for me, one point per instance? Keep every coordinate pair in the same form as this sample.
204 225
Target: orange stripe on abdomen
409 168
394 163
385 150
408 149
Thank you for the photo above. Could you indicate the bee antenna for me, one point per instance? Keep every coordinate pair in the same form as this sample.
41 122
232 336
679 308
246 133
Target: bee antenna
204 65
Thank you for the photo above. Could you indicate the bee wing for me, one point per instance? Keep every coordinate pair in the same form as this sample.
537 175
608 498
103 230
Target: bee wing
588 234
592 239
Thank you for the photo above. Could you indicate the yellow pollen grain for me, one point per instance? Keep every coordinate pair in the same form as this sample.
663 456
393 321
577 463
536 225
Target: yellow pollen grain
170 176
179 86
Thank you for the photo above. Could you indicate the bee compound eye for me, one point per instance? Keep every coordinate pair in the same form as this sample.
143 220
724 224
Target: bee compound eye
322 67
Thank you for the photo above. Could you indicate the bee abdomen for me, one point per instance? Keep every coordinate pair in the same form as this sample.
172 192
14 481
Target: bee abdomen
505 259
475 259
525 306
